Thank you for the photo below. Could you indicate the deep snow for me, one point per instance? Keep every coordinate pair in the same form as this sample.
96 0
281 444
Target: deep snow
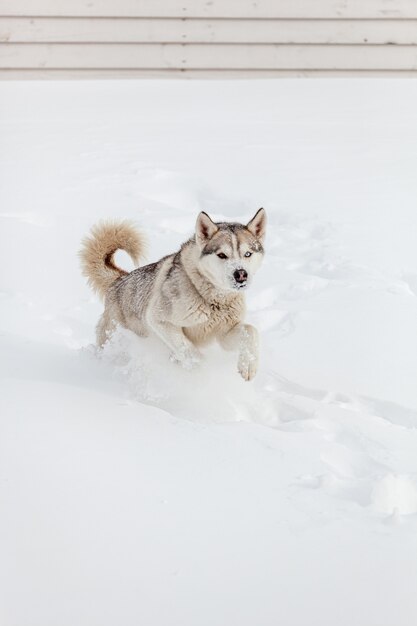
133 492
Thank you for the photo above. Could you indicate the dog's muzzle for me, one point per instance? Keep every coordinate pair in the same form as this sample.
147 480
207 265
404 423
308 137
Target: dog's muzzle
240 276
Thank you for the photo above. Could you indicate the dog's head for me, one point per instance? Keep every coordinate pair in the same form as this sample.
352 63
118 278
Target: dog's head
230 253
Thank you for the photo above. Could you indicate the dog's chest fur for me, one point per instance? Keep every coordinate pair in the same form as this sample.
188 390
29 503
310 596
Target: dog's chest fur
217 317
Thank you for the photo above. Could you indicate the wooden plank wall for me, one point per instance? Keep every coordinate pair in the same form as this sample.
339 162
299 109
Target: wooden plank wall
122 38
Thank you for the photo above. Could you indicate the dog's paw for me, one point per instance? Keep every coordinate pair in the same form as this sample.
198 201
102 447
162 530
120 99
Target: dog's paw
189 359
247 366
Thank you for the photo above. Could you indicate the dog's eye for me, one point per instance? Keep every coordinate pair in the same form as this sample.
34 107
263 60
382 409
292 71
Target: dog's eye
221 255
248 254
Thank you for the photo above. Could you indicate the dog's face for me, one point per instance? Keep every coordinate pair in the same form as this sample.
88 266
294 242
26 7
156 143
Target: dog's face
230 253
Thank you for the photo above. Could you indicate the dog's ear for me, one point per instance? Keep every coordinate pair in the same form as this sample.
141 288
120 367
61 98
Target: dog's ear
205 228
257 225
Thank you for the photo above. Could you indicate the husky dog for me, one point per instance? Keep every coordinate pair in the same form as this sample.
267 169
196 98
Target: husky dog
188 298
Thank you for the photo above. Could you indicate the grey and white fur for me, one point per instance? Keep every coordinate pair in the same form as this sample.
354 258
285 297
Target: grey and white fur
188 298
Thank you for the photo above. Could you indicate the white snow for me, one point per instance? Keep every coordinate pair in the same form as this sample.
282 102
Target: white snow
134 492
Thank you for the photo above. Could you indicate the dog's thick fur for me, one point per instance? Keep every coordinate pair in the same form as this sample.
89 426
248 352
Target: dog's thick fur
188 298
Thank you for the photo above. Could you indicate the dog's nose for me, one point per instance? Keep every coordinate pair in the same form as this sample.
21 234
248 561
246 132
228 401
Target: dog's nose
240 276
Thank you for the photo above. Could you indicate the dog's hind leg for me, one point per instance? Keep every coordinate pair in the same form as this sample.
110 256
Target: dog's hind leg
105 327
244 339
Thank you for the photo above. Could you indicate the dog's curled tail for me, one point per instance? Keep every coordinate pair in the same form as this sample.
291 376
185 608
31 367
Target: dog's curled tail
98 249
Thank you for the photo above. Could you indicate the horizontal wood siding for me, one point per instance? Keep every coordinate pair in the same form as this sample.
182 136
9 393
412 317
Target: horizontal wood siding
207 56
301 9
147 30
59 38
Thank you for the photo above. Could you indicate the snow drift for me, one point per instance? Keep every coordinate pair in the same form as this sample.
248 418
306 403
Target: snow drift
132 491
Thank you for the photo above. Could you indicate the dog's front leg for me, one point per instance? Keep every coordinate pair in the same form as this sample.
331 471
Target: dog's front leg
182 350
243 338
